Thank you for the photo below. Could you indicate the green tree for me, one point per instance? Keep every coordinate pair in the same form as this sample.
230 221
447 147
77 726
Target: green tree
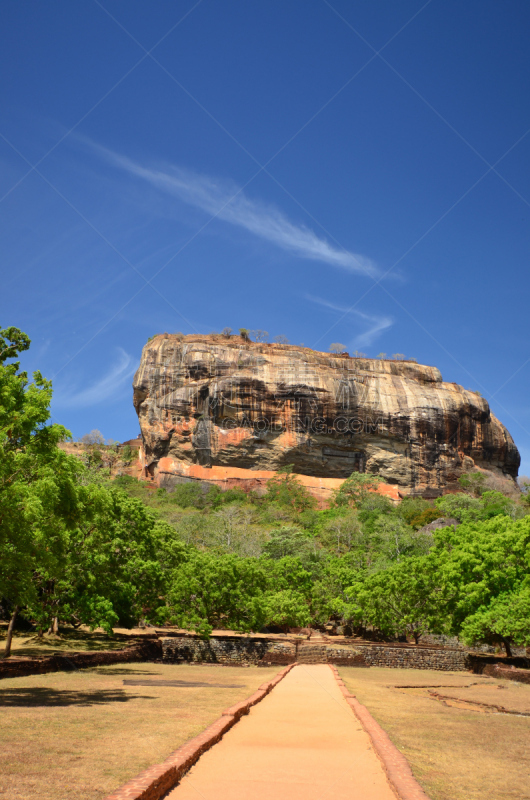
342 534
289 541
38 499
479 562
285 609
114 568
356 488
474 483
467 508
403 600
286 490
225 591
506 619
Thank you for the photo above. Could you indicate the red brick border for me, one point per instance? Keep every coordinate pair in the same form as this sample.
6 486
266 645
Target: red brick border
153 783
396 766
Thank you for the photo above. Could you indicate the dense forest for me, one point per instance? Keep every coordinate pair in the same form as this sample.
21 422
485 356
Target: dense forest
77 548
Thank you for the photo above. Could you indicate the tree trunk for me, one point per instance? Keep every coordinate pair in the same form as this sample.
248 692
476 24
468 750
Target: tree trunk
506 643
416 635
54 627
7 649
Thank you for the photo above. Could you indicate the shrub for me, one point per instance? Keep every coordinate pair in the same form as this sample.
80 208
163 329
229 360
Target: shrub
473 483
356 487
127 453
285 490
429 515
411 507
195 495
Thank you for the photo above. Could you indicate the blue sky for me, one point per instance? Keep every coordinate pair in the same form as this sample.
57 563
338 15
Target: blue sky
340 171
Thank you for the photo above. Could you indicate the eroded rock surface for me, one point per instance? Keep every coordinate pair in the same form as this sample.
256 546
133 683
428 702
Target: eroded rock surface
217 402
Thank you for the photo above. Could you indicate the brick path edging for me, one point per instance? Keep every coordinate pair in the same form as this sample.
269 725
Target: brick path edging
396 766
154 782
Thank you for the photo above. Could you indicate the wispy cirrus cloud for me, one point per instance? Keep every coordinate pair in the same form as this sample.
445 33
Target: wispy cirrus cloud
228 202
106 389
376 324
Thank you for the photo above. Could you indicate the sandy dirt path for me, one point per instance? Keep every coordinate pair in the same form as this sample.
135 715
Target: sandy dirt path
301 741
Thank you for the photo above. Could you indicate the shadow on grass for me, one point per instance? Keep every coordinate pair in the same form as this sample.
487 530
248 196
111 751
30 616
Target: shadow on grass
41 697
78 641
117 671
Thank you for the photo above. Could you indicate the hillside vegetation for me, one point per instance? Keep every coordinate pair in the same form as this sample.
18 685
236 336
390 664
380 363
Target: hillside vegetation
77 548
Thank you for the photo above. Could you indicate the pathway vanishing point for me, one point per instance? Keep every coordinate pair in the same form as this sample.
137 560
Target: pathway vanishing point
301 742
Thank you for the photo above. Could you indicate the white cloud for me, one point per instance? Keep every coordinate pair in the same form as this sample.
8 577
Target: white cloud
375 324
105 389
228 202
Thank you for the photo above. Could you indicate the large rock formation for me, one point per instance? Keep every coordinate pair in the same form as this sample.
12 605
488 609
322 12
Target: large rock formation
212 406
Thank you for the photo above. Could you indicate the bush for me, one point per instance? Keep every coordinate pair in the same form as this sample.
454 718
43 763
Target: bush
356 488
427 516
285 490
411 507
195 495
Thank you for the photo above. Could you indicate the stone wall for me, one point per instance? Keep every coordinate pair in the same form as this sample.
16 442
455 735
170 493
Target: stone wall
247 651
414 657
345 656
507 673
235 650
454 642
478 662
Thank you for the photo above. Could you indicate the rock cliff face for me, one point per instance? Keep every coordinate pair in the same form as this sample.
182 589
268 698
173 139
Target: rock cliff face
210 405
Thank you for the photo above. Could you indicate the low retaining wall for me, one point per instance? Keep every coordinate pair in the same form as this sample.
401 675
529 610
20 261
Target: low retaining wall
229 650
413 657
507 673
479 663
150 650
346 657
248 651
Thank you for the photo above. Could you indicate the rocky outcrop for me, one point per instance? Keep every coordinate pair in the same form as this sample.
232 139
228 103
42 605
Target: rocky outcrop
213 405
118 459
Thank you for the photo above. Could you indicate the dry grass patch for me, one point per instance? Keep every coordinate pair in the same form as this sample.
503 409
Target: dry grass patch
69 641
82 734
457 747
